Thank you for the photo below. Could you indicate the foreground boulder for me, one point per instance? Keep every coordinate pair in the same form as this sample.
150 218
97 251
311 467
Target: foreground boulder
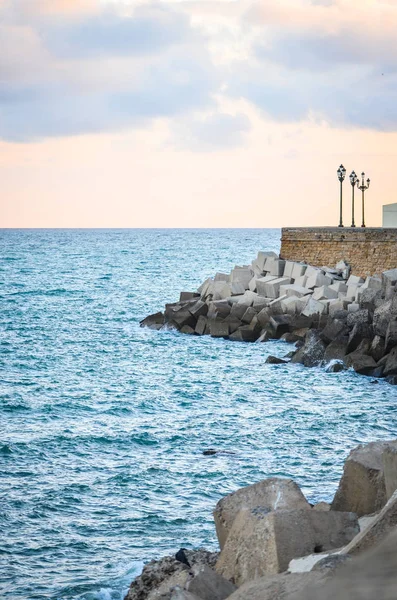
159 576
263 543
277 587
362 487
372 576
272 494
208 585
377 530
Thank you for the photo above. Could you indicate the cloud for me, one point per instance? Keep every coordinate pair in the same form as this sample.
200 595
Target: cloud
95 72
212 132
334 61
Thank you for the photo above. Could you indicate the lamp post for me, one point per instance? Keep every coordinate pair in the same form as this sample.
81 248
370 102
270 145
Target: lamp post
353 180
341 175
363 189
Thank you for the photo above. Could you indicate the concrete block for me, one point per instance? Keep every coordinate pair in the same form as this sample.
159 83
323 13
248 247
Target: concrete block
198 309
353 307
362 487
206 584
317 280
325 293
237 288
313 308
354 280
290 305
201 325
338 286
222 277
248 298
301 280
260 284
292 289
252 284
351 291
389 460
219 329
299 270
335 306
249 314
275 266
263 543
238 309
273 493
272 288
288 268
241 275
261 258
260 302
372 283
203 289
310 271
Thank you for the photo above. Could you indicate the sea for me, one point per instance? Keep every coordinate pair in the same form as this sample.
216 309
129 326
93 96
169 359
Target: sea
103 423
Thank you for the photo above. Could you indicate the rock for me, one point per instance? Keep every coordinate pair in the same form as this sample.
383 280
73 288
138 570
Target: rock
389 462
179 593
382 317
389 280
312 352
209 452
313 308
391 336
279 324
377 530
198 309
323 506
335 366
237 311
390 379
337 349
274 360
373 575
332 330
188 296
249 314
159 576
209 585
290 338
233 323
153 321
219 329
332 562
218 309
263 543
361 363
273 494
362 486
360 332
244 334
368 297
182 317
201 325
377 349
360 316
187 330
277 587
390 363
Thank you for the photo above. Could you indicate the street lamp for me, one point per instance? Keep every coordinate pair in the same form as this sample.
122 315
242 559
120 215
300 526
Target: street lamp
353 180
363 188
341 175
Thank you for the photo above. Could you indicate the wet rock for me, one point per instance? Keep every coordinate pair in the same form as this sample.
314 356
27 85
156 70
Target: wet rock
335 366
391 336
159 576
272 494
360 332
337 349
274 360
390 363
377 349
312 352
188 296
392 379
210 452
153 321
333 330
263 543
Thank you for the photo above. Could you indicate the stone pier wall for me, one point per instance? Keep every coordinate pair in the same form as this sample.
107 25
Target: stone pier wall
368 250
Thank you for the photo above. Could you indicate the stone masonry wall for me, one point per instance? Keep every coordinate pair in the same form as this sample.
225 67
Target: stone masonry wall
369 250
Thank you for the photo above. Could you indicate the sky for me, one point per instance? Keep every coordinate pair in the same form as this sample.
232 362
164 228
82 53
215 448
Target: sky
195 113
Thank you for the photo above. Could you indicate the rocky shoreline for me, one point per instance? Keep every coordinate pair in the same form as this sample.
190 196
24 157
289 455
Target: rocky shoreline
334 318
274 545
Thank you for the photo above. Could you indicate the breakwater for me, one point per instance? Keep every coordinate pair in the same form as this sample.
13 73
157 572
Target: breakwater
368 250
331 314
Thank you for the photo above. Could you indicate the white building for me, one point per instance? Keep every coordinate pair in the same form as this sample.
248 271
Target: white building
389 215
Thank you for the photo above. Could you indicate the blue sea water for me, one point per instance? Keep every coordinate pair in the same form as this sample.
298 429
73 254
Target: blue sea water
103 423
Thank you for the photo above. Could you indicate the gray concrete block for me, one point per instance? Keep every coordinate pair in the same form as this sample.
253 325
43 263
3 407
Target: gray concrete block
298 271
325 293
338 286
272 288
318 279
313 308
301 280
260 284
241 275
275 266
292 289
248 298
